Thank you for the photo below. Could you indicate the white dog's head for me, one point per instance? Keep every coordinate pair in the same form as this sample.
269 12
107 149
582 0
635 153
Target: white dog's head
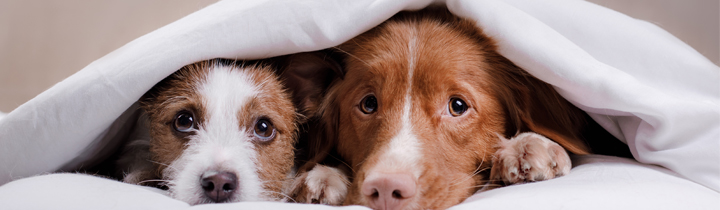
222 132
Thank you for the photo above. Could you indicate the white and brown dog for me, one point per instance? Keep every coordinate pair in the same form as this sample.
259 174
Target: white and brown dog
426 106
219 131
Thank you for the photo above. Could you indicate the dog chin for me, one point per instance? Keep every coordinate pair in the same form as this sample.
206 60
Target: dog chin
185 173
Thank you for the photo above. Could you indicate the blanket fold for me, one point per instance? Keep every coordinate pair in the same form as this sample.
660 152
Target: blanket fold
643 85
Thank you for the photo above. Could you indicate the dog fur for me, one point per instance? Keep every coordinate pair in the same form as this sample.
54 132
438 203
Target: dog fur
392 116
226 101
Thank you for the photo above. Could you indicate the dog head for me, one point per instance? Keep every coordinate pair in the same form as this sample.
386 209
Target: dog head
222 131
419 110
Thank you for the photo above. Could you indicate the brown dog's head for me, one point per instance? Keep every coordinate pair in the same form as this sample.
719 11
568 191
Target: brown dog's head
417 114
222 131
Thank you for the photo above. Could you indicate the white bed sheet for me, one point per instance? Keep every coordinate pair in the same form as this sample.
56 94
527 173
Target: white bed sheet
596 182
640 83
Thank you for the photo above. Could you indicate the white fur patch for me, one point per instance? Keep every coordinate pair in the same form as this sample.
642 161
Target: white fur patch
402 154
221 143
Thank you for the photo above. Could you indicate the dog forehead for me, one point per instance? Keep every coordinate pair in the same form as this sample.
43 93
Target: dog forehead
440 57
235 97
226 92
435 49
227 86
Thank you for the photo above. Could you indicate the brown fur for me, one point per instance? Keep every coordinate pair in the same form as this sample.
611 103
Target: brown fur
161 106
454 59
274 158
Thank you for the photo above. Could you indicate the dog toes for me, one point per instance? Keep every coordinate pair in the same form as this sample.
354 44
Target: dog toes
529 157
321 185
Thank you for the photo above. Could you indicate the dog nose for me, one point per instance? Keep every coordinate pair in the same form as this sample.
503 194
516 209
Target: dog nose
219 186
388 191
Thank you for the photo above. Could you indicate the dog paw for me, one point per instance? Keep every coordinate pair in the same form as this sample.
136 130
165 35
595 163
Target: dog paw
321 185
529 157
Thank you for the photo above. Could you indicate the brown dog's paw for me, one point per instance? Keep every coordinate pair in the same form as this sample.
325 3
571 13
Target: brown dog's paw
529 157
322 184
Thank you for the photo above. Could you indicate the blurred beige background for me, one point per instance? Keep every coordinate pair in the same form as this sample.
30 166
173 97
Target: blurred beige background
44 41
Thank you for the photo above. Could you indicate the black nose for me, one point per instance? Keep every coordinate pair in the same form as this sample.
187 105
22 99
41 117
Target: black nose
219 186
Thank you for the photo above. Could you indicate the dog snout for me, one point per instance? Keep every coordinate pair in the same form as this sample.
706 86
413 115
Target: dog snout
389 191
219 186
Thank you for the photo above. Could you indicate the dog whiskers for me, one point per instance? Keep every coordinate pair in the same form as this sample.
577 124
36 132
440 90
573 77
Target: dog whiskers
475 172
351 55
278 193
163 164
163 182
484 187
344 163
282 180
361 162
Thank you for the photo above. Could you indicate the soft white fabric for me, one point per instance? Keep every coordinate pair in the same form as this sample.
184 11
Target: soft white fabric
602 182
85 192
596 182
61 127
643 85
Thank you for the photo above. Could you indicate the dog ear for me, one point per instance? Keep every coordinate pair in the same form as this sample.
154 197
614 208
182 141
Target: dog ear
307 76
550 115
533 105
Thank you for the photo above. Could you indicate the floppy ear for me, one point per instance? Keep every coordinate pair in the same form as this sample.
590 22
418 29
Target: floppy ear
307 76
533 105
550 115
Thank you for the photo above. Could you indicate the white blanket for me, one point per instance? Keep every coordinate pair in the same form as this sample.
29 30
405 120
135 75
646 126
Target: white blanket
640 83
596 182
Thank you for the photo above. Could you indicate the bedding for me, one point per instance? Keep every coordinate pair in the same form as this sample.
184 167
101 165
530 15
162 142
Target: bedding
596 182
646 87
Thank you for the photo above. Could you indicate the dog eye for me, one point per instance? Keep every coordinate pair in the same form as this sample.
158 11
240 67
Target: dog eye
368 105
457 107
264 130
184 122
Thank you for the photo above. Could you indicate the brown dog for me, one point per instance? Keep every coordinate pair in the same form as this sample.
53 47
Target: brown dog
219 131
425 107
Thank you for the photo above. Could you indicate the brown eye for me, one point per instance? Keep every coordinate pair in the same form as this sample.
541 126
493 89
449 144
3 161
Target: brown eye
264 130
369 104
184 122
457 107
